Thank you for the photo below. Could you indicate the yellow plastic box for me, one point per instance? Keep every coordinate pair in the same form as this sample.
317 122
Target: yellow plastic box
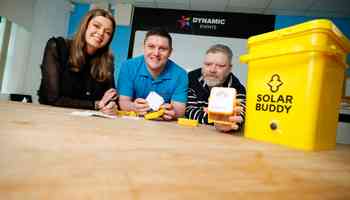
294 85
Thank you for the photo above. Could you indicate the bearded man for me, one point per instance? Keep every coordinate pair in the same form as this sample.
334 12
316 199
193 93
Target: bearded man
215 72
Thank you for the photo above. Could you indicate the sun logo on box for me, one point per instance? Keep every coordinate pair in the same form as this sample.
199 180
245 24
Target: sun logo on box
184 23
275 83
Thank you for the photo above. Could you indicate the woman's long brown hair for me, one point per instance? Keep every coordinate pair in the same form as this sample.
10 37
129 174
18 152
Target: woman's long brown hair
102 61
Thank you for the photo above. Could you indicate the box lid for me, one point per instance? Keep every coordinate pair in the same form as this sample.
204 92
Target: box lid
313 25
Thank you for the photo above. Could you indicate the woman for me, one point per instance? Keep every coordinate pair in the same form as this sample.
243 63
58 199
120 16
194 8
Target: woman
78 73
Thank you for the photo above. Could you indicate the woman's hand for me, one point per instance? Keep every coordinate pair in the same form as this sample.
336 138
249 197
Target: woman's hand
108 96
110 108
107 104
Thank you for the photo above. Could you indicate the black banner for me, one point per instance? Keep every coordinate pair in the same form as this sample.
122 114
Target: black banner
220 24
237 25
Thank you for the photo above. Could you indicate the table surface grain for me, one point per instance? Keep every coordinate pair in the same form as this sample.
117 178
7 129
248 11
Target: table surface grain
47 153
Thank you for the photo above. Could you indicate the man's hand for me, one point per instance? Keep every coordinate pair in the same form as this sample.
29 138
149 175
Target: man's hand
169 112
229 127
235 119
140 106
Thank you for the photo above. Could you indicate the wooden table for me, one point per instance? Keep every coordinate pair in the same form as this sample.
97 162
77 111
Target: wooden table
47 154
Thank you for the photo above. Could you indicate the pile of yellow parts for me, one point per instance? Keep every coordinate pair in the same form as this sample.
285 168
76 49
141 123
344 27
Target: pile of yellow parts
121 113
187 122
154 114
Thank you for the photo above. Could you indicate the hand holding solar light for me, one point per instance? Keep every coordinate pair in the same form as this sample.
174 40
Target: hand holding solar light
224 109
155 101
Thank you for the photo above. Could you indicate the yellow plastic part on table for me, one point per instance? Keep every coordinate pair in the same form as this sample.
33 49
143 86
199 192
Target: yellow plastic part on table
187 122
154 114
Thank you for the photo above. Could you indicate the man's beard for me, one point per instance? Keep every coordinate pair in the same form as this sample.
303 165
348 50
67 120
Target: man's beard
214 82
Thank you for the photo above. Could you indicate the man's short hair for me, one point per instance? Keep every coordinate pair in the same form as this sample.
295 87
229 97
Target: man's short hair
159 31
221 48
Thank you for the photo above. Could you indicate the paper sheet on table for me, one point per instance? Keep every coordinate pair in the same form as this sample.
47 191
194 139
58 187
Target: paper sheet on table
90 113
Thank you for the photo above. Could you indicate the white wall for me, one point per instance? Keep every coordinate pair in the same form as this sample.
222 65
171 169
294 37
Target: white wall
2 30
47 18
19 11
189 50
16 60
51 18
